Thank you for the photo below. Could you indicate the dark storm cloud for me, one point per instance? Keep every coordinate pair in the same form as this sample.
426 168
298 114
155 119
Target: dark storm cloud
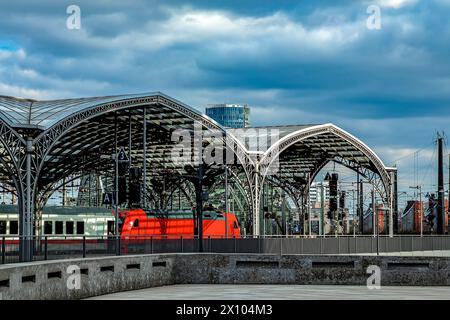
292 61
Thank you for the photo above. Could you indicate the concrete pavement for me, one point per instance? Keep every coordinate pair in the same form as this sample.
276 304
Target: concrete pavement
280 292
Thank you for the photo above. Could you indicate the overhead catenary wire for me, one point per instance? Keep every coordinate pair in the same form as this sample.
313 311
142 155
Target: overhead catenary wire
395 161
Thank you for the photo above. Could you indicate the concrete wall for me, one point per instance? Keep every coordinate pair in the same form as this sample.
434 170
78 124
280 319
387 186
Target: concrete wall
48 280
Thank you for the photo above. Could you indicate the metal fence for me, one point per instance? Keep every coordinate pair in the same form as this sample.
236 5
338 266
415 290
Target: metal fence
50 248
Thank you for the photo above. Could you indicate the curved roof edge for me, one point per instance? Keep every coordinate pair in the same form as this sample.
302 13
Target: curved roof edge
43 114
359 141
324 127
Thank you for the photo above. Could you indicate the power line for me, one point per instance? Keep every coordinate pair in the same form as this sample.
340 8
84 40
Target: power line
393 162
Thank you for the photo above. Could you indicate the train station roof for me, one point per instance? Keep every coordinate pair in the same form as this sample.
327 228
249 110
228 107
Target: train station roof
77 135
306 148
42 114
283 130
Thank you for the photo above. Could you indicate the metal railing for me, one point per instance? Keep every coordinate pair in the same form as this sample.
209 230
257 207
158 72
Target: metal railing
61 247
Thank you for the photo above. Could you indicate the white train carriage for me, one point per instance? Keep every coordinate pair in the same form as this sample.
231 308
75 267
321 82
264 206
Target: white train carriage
61 221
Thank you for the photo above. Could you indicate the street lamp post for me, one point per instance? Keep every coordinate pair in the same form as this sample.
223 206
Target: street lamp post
226 201
322 209
376 232
354 215
421 211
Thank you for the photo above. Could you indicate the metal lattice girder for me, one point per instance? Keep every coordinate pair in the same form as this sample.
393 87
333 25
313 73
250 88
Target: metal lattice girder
162 189
293 192
236 177
324 143
75 143
305 150
163 112
12 150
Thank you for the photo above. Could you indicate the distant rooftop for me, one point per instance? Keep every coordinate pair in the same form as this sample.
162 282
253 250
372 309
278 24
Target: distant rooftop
226 105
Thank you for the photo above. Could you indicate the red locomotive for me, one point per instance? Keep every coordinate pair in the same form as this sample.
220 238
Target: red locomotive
175 224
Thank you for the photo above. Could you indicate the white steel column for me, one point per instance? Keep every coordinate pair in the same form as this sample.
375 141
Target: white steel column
256 199
391 206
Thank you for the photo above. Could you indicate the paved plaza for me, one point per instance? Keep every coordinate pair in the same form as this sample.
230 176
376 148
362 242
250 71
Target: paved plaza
280 292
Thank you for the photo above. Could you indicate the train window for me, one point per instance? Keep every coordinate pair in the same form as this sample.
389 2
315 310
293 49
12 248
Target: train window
69 227
3 227
235 225
59 227
80 227
136 223
13 227
48 227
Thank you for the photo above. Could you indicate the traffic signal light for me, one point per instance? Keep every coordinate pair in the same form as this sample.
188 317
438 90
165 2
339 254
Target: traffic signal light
122 189
333 191
332 184
342 199
135 173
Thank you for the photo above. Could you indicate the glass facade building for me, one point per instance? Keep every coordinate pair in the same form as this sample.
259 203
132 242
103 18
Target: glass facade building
230 115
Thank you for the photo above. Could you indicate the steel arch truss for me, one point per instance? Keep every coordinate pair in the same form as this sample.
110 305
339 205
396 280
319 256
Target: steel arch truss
306 151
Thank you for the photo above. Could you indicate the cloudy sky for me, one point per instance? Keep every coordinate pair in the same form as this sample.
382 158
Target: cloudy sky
291 61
